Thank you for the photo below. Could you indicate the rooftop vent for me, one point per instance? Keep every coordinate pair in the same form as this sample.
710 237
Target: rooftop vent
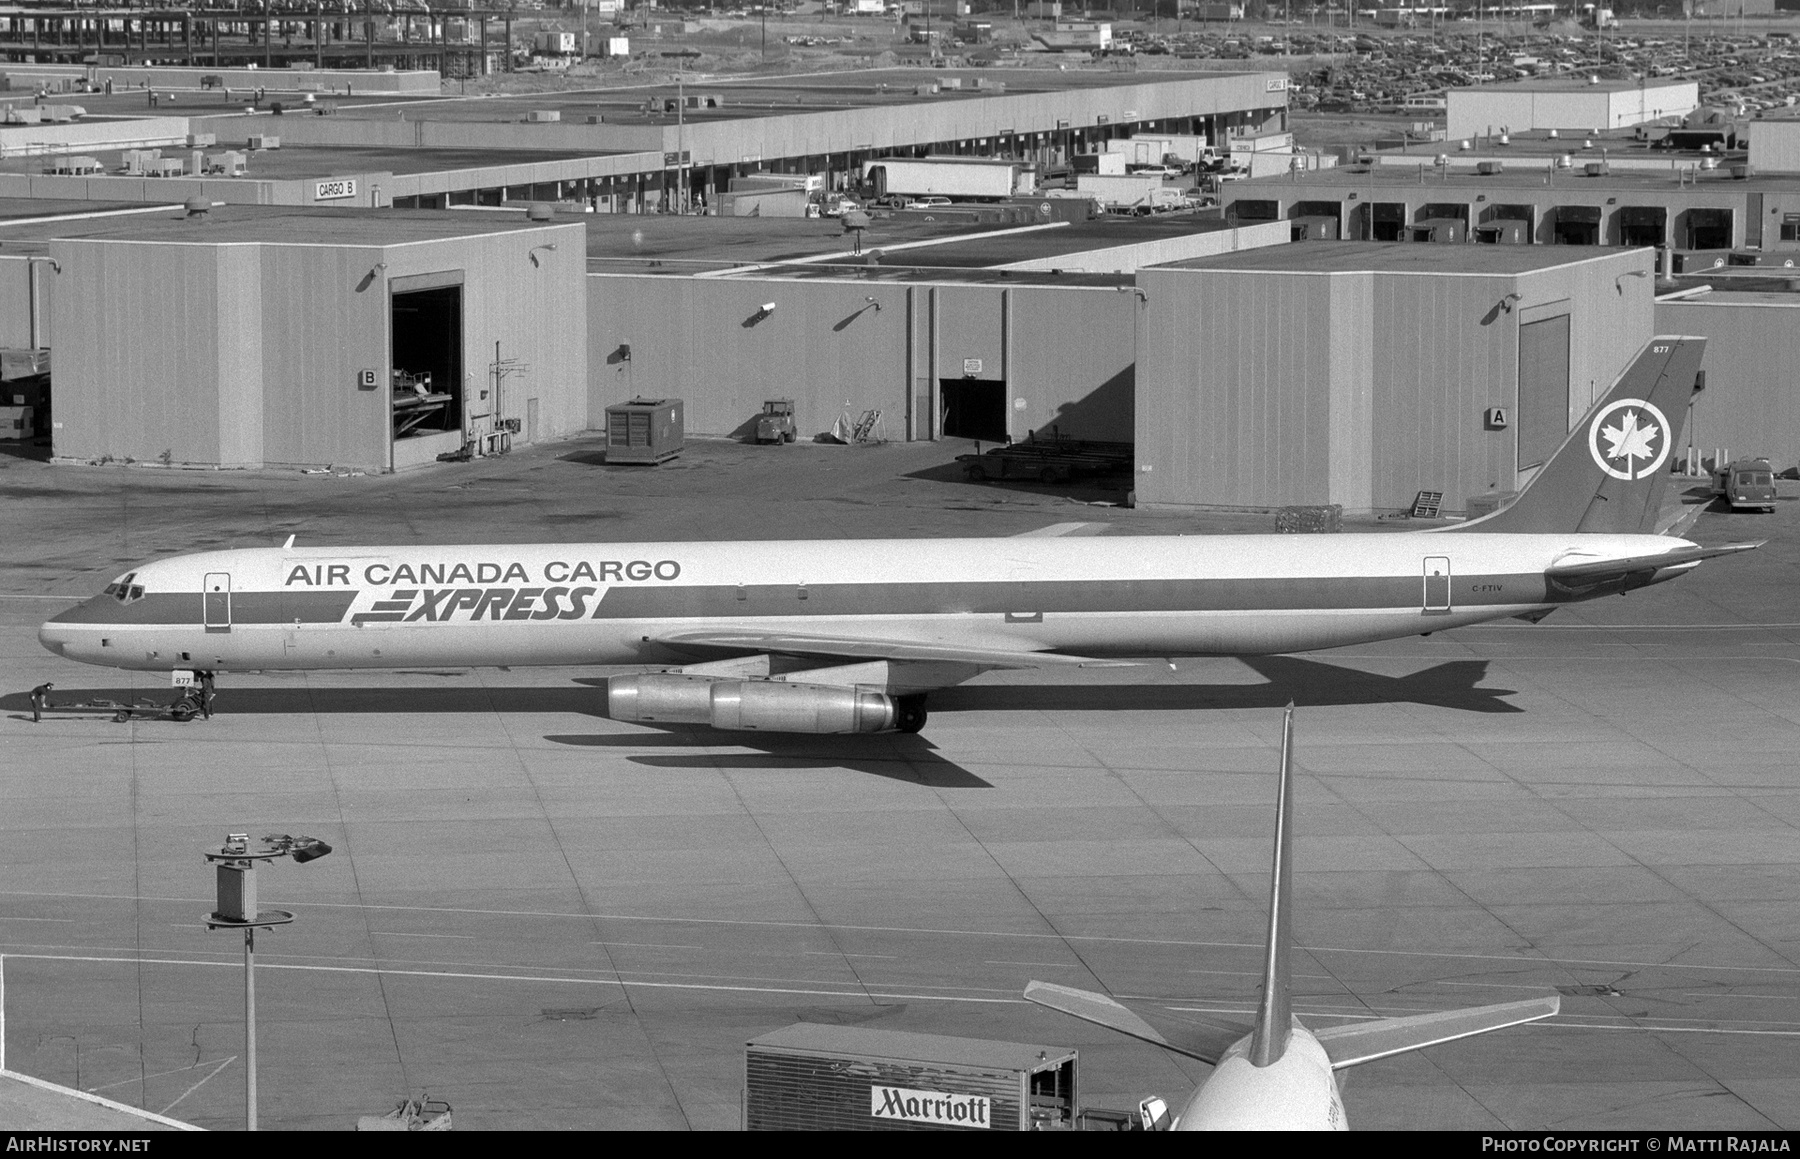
538 212
197 206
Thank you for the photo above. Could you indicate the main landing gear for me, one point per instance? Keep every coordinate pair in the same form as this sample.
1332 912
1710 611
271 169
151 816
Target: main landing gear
909 712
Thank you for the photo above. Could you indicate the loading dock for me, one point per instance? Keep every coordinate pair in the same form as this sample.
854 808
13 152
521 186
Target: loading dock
1707 229
1387 221
1644 225
1575 224
426 355
974 409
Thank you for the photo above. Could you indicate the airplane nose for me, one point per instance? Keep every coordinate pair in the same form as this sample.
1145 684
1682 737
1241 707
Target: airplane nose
52 636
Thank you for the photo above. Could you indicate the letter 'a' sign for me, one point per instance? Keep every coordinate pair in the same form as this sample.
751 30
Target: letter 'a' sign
936 1107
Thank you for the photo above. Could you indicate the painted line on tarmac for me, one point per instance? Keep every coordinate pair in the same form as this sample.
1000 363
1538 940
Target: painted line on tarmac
460 976
398 934
156 1075
913 931
646 945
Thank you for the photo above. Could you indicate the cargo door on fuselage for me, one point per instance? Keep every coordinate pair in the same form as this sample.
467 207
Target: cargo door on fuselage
1437 585
215 601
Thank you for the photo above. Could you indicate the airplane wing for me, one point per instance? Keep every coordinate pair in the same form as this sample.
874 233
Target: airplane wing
1578 576
1205 1040
1057 530
1360 1042
804 644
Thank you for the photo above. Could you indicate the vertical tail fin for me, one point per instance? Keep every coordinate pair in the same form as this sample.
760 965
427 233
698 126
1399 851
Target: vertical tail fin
1609 475
1275 1013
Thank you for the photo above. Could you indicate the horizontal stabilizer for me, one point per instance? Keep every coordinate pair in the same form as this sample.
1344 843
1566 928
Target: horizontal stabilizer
803 644
1361 1042
1207 1041
1059 530
1579 575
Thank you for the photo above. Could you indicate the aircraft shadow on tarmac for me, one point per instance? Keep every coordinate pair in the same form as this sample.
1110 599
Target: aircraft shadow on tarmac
902 756
1307 683
899 756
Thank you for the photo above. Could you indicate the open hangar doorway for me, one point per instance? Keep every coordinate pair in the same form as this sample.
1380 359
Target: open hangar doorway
974 408
426 354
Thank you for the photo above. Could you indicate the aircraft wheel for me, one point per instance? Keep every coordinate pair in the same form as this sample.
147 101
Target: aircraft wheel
1047 476
910 713
181 713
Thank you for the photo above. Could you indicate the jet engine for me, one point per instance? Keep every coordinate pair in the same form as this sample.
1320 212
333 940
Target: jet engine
749 705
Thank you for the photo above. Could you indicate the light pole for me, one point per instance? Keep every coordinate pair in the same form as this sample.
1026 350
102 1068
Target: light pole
236 873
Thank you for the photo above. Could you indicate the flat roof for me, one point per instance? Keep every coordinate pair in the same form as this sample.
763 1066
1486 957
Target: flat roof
262 223
292 162
1400 258
1575 85
906 1046
740 99
682 246
1564 181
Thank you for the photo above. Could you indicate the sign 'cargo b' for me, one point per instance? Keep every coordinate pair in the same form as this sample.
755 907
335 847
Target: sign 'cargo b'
937 1107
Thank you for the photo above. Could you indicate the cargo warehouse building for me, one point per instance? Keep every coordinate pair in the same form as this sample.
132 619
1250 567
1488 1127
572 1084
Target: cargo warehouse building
630 150
1252 376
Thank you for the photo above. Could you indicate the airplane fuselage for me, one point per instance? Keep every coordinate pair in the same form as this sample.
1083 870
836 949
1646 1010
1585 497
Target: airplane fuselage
562 604
1296 1092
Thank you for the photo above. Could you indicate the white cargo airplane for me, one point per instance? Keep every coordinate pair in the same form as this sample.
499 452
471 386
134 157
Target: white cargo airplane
1278 1075
848 636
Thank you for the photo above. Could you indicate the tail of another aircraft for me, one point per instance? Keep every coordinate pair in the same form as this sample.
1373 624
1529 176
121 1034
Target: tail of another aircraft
1275 1012
1609 475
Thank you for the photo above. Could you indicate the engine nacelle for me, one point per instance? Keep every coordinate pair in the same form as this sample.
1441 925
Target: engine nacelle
661 697
749 705
777 706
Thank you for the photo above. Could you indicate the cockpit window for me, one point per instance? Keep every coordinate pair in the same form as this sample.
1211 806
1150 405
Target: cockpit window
123 590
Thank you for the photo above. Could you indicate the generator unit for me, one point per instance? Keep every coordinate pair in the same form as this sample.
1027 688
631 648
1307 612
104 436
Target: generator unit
812 1077
644 430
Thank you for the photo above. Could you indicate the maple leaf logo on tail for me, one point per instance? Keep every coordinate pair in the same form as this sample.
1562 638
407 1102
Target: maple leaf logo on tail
1637 434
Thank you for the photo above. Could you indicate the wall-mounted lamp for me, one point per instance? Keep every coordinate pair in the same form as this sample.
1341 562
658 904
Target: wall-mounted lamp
1141 296
1507 303
870 300
533 252
624 352
1481 197
1619 282
1352 197
380 268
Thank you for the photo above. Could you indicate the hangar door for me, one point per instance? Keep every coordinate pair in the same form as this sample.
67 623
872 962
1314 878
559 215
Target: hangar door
1542 417
426 344
974 408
